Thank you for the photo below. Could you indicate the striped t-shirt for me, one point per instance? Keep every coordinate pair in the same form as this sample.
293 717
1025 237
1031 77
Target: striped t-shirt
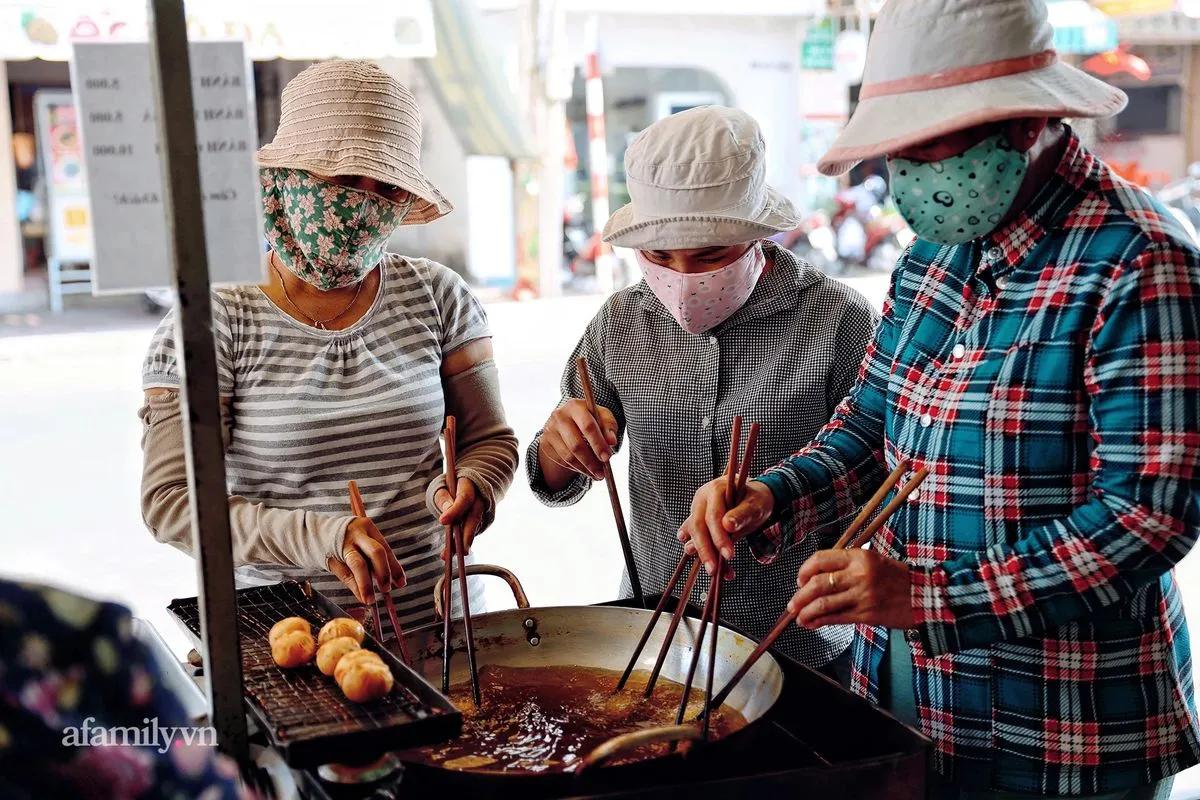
313 409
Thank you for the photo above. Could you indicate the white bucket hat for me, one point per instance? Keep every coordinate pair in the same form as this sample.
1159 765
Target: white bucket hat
698 179
352 118
939 66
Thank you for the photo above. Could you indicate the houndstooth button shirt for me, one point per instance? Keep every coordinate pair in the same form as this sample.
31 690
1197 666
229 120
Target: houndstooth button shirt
785 361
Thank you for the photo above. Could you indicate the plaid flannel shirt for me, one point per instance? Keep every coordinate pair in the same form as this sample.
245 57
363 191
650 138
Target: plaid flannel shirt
1048 378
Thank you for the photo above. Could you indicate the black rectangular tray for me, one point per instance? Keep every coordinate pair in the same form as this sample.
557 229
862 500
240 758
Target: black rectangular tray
304 714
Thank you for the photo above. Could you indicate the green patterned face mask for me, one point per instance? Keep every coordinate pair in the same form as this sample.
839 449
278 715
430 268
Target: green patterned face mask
329 236
959 199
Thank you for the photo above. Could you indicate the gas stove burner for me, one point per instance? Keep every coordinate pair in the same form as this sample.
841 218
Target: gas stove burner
346 775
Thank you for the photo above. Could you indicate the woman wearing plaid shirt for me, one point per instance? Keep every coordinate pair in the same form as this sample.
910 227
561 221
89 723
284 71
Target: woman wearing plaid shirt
1039 355
723 324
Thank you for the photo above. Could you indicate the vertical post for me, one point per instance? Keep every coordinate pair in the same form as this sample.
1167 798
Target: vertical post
598 155
552 92
207 492
12 260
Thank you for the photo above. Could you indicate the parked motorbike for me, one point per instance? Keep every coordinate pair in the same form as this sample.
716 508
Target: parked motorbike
867 235
1182 199
887 238
814 242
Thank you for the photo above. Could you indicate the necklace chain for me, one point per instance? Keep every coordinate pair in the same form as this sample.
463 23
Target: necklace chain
316 323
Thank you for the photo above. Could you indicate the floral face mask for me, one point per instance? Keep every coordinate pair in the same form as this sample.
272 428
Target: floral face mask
327 235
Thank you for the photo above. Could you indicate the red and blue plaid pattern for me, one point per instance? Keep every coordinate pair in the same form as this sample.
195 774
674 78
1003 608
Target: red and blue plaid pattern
1048 378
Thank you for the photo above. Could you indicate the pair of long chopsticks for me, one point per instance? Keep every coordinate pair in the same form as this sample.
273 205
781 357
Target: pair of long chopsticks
737 482
735 488
850 539
455 548
635 583
360 510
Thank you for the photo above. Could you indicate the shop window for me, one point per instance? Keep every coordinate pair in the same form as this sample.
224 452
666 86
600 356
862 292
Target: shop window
1152 111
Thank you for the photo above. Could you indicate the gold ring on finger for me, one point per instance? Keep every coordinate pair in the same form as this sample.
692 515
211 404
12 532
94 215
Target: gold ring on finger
832 581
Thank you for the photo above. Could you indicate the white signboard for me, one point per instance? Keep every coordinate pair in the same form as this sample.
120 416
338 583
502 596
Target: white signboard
115 100
70 234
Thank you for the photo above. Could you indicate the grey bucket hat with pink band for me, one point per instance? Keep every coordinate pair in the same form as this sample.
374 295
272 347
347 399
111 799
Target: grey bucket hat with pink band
939 66
698 179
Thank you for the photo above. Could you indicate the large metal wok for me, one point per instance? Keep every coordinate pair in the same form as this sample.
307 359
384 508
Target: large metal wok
588 636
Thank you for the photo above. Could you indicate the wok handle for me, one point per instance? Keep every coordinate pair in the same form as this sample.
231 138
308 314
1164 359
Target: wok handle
631 741
484 569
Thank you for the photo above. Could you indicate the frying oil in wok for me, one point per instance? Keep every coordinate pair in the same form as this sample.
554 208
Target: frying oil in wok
546 719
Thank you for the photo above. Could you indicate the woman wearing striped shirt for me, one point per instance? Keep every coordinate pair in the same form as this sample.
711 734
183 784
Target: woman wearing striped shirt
342 366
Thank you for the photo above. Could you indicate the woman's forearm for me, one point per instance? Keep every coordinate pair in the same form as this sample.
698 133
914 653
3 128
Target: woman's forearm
487 446
261 535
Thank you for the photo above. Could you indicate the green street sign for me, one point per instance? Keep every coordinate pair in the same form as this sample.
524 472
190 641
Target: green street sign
817 51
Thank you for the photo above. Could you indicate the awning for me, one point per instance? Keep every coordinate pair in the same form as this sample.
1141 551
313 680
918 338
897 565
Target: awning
1081 29
471 88
300 30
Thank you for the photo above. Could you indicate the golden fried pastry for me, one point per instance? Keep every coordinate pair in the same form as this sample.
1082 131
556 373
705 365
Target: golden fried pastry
330 653
341 626
365 681
287 626
353 657
294 649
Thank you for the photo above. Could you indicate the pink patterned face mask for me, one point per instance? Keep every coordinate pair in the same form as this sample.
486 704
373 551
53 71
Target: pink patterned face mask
703 300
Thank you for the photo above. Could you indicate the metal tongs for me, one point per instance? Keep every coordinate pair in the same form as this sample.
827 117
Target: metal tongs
360 510
456 550
736 475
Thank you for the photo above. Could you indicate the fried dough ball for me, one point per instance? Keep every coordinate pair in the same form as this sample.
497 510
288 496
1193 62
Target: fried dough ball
293 649
341 626
287 626
365 681
330 653
353 657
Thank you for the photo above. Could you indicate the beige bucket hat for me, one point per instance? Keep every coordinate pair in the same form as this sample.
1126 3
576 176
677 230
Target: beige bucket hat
939 66
698 179
352 118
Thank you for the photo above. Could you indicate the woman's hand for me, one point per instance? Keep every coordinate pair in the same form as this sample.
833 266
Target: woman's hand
572 443
365 553
466 508
838 587
712 528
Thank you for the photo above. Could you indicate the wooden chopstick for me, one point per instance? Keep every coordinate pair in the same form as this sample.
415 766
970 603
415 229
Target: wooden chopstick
867 510
360 510
737 480
658 611
738 469
787 618
715 589
731 472
614 499
747 460
704 615
448 582
890 509
737 483
680 607
458 550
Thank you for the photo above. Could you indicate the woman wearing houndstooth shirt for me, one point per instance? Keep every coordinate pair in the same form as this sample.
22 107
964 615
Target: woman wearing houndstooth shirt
724 324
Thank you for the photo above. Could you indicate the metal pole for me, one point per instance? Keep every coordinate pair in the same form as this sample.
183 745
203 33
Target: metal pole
598 155
207 492
552 91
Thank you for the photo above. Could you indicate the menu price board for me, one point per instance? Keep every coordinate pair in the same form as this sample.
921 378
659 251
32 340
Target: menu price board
117 117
